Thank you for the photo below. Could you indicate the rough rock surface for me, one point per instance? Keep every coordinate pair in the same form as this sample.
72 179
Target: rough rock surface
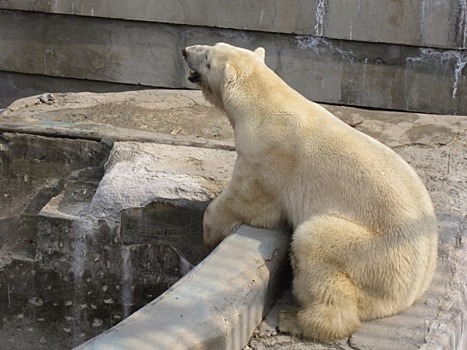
435 145
137 174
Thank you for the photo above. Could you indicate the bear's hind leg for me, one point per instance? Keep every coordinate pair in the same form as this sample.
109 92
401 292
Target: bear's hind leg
330 315
328 300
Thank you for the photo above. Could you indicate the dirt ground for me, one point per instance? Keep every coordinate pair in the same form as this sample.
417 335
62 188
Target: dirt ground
180 113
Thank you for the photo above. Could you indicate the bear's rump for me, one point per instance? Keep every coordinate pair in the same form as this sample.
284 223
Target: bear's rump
389 271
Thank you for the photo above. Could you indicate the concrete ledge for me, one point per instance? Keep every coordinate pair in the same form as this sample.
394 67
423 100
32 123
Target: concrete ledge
216 306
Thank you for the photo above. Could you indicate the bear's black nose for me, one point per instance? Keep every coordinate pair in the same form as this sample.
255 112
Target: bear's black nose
184 53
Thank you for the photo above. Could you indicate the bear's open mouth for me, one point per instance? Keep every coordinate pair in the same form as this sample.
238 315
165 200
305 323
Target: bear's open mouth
194 77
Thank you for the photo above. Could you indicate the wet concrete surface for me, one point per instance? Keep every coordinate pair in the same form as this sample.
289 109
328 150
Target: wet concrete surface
435 145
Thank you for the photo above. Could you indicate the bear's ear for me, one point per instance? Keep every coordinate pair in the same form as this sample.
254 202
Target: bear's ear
260 52
230 73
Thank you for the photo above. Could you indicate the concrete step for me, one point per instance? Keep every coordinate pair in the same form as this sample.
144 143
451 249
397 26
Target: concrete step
325 69
418 23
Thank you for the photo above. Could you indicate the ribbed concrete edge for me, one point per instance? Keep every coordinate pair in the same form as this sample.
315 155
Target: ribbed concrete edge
216 306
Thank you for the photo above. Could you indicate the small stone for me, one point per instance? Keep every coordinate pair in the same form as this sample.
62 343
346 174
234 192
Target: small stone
47 98
97 323
284 339
36 301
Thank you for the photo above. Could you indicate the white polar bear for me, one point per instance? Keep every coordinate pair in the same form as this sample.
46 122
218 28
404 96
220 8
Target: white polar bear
364 242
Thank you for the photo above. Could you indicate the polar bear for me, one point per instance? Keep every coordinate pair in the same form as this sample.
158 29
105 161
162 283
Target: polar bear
364 242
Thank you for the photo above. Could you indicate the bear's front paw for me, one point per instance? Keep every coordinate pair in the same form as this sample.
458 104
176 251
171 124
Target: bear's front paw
288 321
212 238
215 230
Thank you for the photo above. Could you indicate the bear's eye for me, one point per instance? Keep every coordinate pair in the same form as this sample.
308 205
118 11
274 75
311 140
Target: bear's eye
208 66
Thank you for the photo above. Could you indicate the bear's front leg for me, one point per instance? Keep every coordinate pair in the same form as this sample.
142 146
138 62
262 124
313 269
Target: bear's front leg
247 200
219 222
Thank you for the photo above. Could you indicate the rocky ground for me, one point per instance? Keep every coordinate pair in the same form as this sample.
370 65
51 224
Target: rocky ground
435 145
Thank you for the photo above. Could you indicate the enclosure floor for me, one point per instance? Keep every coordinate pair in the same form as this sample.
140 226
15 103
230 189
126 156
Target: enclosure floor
435 145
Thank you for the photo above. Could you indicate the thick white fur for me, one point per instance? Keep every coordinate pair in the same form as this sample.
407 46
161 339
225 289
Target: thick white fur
364 242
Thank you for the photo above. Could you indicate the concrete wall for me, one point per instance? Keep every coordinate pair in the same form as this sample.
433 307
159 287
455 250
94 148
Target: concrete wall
437 23
407 55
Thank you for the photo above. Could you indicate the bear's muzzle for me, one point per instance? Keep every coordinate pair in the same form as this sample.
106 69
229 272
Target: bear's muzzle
194 76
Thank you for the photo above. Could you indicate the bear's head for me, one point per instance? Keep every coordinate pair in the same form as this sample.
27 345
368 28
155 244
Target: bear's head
217 69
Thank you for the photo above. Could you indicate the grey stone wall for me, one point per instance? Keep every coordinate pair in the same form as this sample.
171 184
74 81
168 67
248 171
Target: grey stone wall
437 23
407 55
431 23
